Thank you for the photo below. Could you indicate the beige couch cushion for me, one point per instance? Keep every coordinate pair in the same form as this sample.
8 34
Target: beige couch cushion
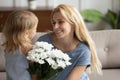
108 47
108 74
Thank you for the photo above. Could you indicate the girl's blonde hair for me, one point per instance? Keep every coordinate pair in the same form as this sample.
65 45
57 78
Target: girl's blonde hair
14 29
72 15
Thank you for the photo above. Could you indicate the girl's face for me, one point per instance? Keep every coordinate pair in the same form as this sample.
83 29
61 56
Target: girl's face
32 32
61 27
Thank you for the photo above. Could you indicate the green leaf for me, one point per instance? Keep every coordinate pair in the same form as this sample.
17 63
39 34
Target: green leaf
118 20
92 15
111 18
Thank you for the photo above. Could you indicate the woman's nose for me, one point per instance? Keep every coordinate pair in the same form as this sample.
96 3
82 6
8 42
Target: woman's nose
56 26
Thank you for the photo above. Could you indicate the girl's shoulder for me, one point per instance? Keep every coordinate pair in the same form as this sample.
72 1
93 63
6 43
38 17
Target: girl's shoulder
14 55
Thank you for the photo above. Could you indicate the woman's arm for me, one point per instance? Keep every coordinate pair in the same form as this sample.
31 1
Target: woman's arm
76 73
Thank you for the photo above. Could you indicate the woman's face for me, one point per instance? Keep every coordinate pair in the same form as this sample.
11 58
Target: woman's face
61 27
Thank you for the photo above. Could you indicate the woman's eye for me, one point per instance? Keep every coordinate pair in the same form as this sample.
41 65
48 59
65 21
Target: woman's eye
60 22
53 23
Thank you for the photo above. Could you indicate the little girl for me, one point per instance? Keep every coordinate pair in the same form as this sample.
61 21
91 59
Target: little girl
19 29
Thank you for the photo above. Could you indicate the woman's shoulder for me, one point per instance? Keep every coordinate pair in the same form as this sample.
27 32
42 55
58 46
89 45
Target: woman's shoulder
46 37
81 49
83 46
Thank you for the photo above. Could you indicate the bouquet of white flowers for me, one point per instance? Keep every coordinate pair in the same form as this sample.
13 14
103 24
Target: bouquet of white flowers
47 60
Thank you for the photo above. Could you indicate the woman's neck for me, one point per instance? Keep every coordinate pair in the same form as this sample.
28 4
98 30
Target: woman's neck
66 44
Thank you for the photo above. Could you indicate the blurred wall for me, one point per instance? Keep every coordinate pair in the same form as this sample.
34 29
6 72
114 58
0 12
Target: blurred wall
101 5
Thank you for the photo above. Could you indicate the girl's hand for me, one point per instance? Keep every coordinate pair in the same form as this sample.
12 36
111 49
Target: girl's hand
26 49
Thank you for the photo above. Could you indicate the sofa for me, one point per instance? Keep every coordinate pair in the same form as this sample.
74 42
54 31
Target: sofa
108 50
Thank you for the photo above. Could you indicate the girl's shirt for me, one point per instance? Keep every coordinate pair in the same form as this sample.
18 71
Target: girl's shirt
16 66
79 56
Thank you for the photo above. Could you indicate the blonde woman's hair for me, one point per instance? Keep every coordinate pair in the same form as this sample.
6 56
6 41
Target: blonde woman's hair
72 15
15 26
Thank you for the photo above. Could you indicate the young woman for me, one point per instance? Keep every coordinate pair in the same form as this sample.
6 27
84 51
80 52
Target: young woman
19 29
72 37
